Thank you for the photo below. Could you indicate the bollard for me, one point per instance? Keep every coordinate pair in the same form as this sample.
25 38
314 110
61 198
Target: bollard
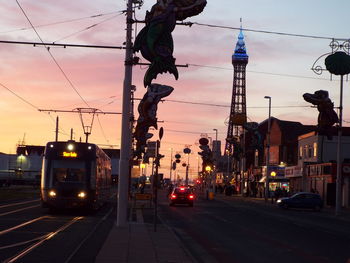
211 195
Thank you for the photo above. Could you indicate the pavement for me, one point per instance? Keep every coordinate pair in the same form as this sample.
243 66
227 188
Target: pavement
139 242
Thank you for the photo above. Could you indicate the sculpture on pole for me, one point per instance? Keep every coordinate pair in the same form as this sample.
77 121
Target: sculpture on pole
148 115
155 40
156 45
327 117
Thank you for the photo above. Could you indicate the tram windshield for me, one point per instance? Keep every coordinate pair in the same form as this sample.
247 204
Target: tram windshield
68 171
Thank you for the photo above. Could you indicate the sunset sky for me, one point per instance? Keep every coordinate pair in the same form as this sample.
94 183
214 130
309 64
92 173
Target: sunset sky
279 66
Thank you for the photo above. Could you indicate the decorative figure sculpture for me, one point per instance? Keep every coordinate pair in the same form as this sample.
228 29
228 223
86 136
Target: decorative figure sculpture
155 40
148 115
327 116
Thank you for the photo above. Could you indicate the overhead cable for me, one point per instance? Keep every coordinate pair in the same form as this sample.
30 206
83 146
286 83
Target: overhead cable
266 31
87 28
62 22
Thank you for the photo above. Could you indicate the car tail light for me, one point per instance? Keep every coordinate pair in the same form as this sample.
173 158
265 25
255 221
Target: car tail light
173 196
182 189
191 196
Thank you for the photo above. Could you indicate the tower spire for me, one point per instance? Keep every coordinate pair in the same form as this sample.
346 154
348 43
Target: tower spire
238 113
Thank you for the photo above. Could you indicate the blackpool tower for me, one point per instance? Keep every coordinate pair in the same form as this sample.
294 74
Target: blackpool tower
238 113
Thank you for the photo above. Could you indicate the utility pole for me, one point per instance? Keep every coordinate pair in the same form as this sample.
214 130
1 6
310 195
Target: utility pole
125 146
171 163
267 182
56 139
338 195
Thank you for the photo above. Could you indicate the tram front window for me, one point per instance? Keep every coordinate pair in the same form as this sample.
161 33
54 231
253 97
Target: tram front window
73 172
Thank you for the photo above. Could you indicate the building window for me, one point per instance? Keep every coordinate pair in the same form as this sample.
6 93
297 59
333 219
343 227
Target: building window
310 152
256 159
305 151
315 149
300 152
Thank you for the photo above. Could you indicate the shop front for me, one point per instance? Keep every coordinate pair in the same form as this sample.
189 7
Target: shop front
277 179
295 176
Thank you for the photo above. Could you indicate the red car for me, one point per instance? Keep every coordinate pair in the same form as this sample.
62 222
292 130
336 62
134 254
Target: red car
181 195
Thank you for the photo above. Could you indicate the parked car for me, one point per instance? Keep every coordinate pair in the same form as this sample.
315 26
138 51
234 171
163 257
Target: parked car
181 195
301 200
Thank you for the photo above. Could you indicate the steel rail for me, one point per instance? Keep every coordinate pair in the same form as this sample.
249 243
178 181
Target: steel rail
21 203
88 236
18 210
45 238
22 225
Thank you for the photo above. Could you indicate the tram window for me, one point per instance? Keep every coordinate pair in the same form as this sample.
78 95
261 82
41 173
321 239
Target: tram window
69 175
68 171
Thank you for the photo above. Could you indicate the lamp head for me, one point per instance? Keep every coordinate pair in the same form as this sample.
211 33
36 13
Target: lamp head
267 97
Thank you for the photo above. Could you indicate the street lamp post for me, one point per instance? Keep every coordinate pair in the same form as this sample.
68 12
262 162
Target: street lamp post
187 151
171 163
268 150
216 154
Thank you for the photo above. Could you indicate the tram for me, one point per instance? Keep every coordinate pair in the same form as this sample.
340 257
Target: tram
75 175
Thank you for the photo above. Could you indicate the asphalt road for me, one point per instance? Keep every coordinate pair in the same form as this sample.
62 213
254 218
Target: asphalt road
28 233
230 229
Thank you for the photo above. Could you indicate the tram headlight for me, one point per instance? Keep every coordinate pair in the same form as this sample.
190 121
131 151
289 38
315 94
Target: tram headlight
70 147
52 193
82 195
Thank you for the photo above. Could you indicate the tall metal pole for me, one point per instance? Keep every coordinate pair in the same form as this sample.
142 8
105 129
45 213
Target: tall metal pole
171 163
243 165
56 137
155 187
338 200
187 167
126 129
267 183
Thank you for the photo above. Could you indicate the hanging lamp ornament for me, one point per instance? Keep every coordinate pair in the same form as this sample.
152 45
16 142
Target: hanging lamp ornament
338 63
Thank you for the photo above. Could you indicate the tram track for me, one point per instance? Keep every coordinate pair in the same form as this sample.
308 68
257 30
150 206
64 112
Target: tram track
19 203
22 225
18 210
42 240
28 234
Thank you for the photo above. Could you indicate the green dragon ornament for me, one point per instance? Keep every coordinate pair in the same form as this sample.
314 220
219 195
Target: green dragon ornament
155 41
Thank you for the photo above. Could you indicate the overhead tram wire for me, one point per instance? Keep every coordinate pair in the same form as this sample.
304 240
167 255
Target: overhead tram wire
88 28
21 98
53 58
265 31
227 106
62 22
259 72
46 44
51 55
29 103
